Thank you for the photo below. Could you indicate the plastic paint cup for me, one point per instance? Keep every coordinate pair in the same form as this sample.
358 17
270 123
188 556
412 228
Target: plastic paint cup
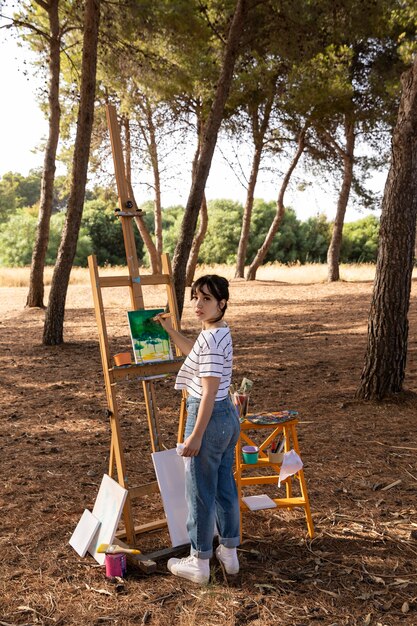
122 358
250 454
115 565
275 457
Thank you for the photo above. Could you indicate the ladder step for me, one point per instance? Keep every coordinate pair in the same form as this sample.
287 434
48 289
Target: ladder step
133 372
144 528
126 281
142 490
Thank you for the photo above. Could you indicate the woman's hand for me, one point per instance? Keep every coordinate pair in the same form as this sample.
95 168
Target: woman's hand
182 342
165 320
192 445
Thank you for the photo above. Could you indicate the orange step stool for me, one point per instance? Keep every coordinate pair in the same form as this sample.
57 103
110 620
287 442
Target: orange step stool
288 427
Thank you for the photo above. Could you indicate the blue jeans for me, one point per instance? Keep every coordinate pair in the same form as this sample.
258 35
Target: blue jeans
210 487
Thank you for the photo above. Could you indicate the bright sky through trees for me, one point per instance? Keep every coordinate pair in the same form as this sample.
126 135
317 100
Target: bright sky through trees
23 126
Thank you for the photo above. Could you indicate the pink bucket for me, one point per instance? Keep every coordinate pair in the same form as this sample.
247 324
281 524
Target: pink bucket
115 565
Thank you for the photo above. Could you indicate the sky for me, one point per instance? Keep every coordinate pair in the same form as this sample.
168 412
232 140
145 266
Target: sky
23 127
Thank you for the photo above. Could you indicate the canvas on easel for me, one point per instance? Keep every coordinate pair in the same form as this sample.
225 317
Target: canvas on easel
150 341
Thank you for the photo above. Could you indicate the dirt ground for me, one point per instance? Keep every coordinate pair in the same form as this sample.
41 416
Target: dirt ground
303 346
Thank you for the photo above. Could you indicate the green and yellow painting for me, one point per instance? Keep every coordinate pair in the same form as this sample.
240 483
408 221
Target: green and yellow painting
149 340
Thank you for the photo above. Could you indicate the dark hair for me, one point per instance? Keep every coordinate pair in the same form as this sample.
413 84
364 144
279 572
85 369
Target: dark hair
217 286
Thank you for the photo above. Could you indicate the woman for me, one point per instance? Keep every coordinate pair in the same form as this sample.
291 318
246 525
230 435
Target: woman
211 433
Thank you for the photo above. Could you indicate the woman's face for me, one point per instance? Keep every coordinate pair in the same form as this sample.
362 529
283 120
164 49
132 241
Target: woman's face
206 307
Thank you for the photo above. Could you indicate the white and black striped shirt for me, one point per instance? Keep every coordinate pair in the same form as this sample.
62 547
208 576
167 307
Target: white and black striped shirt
211 355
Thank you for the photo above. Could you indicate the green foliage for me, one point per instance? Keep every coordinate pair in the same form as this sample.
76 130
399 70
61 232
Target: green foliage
360 241
222 238
315 237
285 246
17 238
171 224
105 232
17 191
101 234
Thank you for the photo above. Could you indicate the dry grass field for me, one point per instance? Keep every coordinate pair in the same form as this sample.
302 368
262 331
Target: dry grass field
293 274
302 341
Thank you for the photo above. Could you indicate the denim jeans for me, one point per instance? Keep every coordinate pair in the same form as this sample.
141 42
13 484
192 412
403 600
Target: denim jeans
210 487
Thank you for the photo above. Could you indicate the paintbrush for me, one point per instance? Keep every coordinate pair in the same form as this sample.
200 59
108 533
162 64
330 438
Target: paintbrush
281 445
163 316
108 548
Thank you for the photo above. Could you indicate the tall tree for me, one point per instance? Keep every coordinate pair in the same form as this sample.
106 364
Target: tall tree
346 153
54 319
202 229
197 242
260 255
211 130
36 286
386 352
259 108
44 24
149 136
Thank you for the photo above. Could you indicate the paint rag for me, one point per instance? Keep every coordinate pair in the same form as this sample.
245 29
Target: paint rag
291 464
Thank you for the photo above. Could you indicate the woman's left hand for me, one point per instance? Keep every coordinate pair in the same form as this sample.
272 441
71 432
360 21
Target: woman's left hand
192 445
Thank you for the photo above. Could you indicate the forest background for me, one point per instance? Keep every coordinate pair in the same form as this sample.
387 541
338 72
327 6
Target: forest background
100 233
323 84
281 91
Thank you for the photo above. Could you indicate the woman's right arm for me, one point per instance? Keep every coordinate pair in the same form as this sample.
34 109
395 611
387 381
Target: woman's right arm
180 340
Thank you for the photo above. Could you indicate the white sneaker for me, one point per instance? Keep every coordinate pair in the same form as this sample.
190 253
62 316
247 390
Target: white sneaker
192 568
228 556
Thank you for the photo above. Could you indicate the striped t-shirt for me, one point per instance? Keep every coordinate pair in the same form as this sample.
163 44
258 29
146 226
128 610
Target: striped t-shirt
211 355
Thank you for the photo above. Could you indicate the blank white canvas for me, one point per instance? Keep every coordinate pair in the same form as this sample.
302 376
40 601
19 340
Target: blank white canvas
84 532
170 474
107 509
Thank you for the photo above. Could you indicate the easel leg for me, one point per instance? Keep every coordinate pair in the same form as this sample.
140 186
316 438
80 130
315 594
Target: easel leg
151 412
117 457
111 458
303 486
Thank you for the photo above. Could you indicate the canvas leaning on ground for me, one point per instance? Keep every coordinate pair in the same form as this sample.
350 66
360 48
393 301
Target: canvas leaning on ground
149 340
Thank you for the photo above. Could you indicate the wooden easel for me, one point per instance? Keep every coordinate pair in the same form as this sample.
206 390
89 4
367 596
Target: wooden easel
115 375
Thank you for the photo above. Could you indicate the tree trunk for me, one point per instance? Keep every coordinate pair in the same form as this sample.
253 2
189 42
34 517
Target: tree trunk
154 251
247 214
153 152
54 320
198 240
261 254
154 258
36 287
386 351
258 140
199 237
333 253
211 130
